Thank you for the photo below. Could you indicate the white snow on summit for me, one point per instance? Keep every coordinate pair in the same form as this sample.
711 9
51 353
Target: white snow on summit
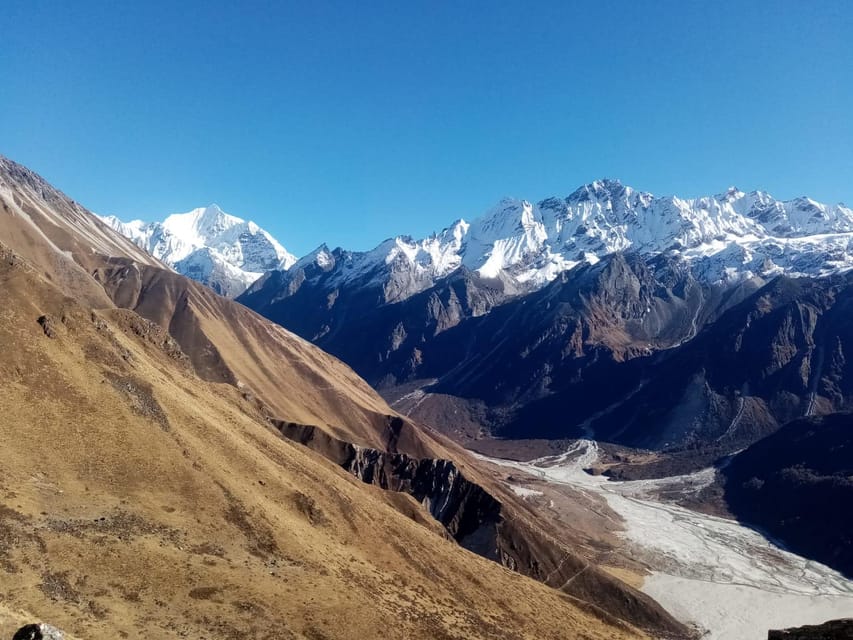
730 236
209 245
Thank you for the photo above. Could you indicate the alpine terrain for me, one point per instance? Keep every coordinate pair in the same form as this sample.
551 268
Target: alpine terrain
669 333
175 465
511 323
208 245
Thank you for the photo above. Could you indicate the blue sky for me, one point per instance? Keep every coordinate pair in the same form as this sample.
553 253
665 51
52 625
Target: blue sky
348 122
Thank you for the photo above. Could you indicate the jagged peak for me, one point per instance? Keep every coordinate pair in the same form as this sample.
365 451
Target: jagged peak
601 189
321 256
730 195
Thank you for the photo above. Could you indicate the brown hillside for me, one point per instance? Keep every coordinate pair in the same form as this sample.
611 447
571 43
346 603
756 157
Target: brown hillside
146 483
138 499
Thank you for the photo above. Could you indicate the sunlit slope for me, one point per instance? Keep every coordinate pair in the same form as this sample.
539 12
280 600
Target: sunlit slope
139 499
262 378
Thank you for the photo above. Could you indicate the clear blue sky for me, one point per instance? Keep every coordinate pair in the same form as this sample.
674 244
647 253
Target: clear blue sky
348 122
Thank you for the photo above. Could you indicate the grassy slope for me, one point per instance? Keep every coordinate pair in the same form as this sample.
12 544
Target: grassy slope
138 500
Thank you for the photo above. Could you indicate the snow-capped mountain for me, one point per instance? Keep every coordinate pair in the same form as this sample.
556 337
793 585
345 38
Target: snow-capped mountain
651 322
222 251
727 237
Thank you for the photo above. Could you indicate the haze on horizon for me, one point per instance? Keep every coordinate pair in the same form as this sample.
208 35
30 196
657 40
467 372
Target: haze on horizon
343 124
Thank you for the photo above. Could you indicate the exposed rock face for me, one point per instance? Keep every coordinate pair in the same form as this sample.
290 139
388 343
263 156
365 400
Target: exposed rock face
39 631
464 508
480 523
391 332
832 630
613 352
48 325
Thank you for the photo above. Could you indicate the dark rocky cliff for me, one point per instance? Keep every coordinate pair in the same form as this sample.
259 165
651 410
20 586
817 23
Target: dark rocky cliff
485 526
832 630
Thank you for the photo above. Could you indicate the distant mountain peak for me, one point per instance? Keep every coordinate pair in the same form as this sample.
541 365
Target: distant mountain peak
601 189
730 236
207 244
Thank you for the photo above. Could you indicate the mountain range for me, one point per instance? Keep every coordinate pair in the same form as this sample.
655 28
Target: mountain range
184 462
177 465
730 236
518 316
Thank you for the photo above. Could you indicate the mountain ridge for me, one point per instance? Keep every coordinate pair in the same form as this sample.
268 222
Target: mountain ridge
195 408
729 236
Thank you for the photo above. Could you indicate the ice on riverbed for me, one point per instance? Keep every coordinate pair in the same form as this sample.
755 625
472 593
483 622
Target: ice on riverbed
715 573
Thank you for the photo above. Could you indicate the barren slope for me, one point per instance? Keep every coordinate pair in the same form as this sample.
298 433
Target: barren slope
142 500
153 410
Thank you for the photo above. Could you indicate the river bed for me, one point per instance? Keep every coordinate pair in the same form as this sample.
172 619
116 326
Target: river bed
715 574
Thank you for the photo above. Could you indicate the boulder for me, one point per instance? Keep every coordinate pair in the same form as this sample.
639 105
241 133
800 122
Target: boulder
39 631
832 630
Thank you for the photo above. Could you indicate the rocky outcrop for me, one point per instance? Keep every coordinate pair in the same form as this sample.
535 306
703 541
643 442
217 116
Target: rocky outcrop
48 325
39 631
483 525
832 630
467 511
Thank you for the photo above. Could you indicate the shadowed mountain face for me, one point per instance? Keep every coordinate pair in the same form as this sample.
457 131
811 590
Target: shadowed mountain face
391 336
637 351
201 463
774 356
797 485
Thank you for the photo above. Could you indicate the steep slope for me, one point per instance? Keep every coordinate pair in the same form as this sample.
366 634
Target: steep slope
158 504
55 233
796 484
590 356
391 336
538 320
227 343
222 251
776 356
196 391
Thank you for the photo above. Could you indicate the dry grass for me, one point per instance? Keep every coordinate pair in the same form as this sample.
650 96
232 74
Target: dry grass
140 501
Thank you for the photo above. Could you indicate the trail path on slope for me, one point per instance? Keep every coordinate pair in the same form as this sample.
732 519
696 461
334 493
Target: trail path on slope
724 577
694 323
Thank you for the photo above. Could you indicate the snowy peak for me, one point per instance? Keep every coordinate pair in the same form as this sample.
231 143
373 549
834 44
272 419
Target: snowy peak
731 236
209 245
606 189
243 244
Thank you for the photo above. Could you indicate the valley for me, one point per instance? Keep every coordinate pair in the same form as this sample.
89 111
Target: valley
678 332
725 578
426 321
